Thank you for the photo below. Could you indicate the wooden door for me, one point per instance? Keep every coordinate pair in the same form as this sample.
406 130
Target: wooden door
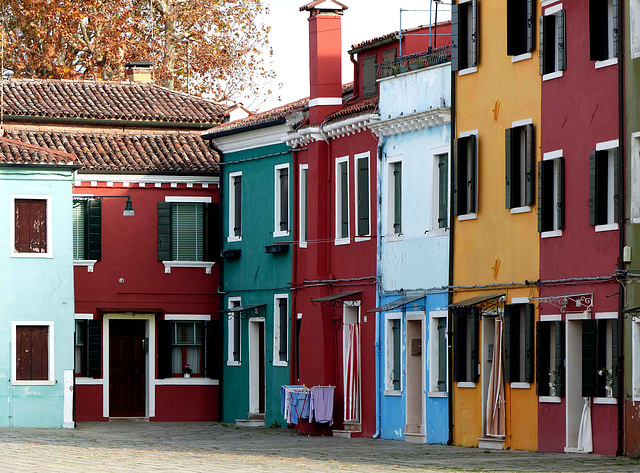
127 368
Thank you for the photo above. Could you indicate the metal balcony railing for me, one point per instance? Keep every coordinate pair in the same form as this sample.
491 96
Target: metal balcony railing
414 62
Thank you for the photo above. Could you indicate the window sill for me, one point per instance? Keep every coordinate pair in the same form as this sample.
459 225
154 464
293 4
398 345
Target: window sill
281 363
466 384
89 263
393 237
186 382
521 57
438 232
234 363
468 70
472 216
550 399
551 234
83 381
605 400
520 385
302 244
438 394
24 382
606 228
234 238
362 238
187 264
32 255
392 392
280 234
341 241
606 63
520 210
552 75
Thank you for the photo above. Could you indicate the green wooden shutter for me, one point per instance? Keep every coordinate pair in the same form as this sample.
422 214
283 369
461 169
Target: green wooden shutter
187 233
531 21
473 159
560 196
541 46
212 349
456 187
559 368
475 343
237 207
93 247
529 361
344 200
442 354
164 349
598 30
164 231
589 358
397 197
443 194
541 197
459 345
543 358
562 50
508 135
396 354
94 348
509 364
592 189
529 155
369 76
363 196
617 186
211 234
455 37
616 29
616 364
474 33
284 199
283 313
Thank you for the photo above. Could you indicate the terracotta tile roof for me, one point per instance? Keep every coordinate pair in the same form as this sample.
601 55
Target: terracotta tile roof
155 153
364 45
17 152
352 109
106 101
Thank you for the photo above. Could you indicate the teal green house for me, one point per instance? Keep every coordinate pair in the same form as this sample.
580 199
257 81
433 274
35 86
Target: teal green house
256 188
36 299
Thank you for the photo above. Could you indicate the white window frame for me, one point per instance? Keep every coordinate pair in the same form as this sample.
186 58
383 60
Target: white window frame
434 357
231 334
277 361
303 210
50 381
634 21
635 357
389 317
232 206
609 146
358 157
12 228
390 234
435 191
553 10
550 156
277 201
472 215
340 239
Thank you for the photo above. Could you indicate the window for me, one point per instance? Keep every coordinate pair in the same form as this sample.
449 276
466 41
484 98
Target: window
281 330
465 176
363 197
518 343
600 357
187 229
519 166
281 200
186 347
88 349
342 200
33 353
31 227
388 58
520 27
550 358
393 364
87 229
438 351
304 184
603 29
466 320
235 206
553 54
551 193
394 198
464 35
369 76
233 330
604 187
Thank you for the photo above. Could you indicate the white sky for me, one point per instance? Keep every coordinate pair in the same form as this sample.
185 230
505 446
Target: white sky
364 20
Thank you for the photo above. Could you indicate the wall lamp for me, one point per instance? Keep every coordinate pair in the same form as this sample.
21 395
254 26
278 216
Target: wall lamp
128 206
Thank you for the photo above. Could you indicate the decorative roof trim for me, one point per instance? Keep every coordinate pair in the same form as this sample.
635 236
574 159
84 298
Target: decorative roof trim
243 140
337 129
412 122
145 178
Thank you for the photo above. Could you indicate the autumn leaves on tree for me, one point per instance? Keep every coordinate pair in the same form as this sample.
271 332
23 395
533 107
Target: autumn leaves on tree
207 46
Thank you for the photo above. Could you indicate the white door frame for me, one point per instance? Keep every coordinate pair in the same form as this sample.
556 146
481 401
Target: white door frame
254 363
421 317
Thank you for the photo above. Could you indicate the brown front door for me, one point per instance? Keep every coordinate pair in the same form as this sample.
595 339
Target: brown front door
126 368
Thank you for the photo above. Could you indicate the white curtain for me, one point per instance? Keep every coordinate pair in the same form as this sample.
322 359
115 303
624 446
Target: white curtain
585 437
495 400
351 373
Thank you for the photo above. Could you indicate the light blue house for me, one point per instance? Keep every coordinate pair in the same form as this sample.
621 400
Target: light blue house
36 298
413 253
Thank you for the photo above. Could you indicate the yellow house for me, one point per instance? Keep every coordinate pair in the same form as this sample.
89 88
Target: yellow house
495 240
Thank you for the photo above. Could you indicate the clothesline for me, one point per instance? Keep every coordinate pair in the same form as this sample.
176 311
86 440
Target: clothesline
300 402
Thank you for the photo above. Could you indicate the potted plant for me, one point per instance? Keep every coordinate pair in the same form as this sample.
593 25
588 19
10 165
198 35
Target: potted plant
608 380
186 371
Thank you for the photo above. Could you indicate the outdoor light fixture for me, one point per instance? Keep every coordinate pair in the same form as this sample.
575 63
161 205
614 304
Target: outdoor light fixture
128 206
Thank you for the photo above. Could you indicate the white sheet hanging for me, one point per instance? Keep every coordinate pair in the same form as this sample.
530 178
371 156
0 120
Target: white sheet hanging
585 435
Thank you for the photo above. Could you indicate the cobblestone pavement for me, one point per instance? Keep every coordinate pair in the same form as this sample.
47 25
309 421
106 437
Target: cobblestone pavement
180 447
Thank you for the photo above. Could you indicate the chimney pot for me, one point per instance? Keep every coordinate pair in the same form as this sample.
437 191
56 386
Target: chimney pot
139 71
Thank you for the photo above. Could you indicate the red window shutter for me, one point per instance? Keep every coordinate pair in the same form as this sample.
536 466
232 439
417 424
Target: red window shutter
31 226
32 353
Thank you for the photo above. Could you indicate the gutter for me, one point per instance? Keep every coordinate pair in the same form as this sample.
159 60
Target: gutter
255 126
112 122
451 255
378 350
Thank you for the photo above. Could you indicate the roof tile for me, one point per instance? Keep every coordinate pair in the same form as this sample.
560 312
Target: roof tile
18 152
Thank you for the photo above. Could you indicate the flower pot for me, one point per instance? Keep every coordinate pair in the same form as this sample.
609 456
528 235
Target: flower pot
609 391
187 375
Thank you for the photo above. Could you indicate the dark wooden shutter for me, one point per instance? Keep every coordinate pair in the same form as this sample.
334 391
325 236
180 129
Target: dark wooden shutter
211 231
344 200
529 319
388 58
616 29
617 186
396 353
508 135
455 37
397 197
474 33
164 231
459 345
456 190
32 353
529 163
93 230
560 197
284 199
510 366
589 358
94 348
164 349
237 208
369 76
598 30
541 196
442 354
562 50
541 45
212 349
363 196
31 226
284 334
616 364
443 188
543 358
472 178
531 23
475 343
592 189
559 368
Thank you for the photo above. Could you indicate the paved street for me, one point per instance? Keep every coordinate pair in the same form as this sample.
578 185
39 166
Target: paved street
128 446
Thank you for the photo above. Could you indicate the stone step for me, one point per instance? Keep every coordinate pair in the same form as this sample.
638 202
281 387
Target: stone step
352 426
255 416
491 443
347 434
415 438
250 422
128 419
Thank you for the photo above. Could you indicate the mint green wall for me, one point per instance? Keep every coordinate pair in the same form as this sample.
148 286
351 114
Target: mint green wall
36 289
255 276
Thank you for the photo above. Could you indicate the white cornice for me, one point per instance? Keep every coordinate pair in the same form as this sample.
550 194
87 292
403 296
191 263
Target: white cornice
412 122
334 130
146 178
269 135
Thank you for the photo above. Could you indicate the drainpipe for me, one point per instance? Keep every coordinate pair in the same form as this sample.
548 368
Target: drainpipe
621 231
356 78
377 314
451 255
293 374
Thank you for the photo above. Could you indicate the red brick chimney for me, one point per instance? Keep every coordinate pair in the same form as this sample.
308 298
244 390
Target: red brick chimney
325 58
